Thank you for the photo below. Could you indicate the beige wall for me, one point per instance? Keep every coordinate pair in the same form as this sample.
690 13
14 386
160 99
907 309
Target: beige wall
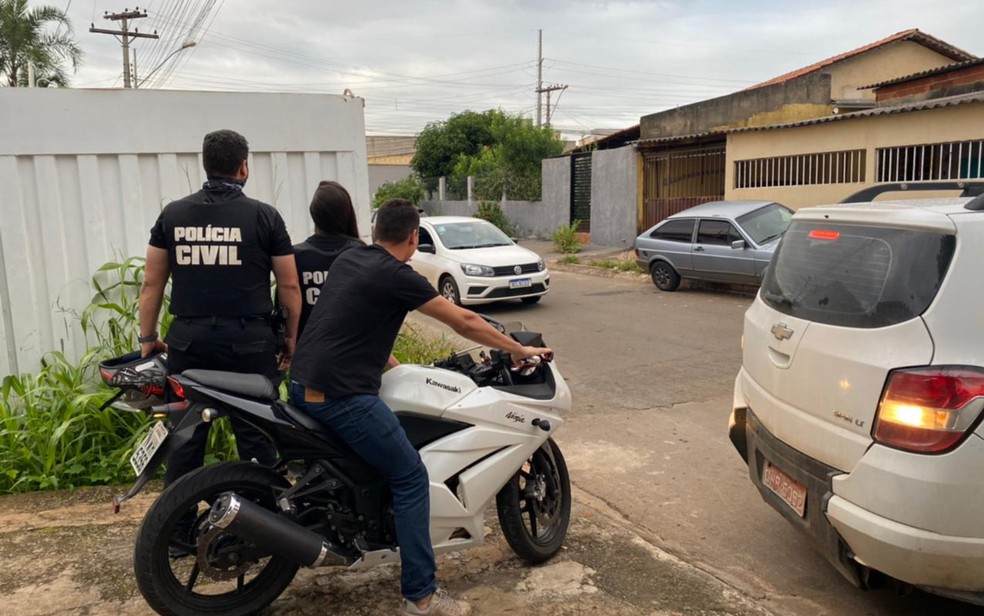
917 127
888 62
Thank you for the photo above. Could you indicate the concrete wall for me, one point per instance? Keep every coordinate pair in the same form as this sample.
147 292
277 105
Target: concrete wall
614 196
894 60
798 99
381 174
965 122
531 218
79 189
801 98
556 193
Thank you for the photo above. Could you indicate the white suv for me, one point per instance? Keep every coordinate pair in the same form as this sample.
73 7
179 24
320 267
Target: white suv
858 406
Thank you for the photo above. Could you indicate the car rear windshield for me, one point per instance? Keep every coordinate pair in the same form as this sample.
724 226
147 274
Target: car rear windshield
856 276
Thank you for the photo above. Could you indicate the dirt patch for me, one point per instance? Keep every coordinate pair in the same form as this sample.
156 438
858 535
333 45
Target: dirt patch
65 553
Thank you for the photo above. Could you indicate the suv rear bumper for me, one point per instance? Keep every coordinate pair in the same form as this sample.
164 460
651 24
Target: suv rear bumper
757 446
926 559
852 538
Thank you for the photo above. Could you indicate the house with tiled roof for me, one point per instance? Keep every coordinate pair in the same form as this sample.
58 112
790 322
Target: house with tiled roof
684 150
793 138
927 126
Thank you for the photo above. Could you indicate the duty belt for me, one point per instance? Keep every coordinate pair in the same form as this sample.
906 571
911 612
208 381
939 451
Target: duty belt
216 320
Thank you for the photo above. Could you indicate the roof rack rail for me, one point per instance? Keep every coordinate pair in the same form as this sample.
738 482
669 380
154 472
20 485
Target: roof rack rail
969 189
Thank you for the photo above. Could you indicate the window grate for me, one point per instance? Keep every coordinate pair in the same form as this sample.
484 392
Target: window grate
954 160
844 167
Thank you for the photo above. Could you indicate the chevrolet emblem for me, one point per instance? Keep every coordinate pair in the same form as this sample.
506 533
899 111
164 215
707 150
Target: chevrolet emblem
781 332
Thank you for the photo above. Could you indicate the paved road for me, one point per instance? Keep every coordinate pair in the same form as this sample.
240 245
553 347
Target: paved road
652 375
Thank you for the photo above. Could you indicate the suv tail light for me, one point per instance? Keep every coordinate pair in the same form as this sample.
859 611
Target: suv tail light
929 410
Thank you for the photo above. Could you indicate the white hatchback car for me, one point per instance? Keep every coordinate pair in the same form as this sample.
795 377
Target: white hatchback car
859 402
470 261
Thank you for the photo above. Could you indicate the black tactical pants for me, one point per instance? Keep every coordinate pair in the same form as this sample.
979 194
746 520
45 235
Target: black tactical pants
232 345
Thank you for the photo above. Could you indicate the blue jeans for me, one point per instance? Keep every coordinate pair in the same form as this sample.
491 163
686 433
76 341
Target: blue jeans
374 432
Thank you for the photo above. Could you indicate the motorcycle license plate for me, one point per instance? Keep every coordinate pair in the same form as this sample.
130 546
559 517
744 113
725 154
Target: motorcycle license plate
148 447
792 492
520 283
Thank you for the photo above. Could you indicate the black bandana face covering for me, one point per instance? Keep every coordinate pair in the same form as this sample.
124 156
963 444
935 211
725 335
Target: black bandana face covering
224 184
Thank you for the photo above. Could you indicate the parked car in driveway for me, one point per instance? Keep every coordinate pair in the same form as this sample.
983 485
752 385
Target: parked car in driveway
470 261
859 402
720 241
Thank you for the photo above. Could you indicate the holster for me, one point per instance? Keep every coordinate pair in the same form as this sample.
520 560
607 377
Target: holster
278 321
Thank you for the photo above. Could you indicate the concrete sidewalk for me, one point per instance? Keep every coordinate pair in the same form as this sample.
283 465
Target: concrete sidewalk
547 250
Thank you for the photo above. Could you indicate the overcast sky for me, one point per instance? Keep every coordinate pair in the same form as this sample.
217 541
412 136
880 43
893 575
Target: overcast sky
420 61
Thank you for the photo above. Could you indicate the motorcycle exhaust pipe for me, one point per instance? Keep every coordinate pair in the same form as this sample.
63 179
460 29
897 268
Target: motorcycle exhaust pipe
273 533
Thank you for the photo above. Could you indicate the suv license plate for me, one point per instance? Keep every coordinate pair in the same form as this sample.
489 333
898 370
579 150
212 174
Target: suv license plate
520 283
146 450
792 492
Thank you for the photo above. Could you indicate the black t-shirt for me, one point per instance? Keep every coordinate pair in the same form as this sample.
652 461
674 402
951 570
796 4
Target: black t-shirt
220 245
353 326
314 257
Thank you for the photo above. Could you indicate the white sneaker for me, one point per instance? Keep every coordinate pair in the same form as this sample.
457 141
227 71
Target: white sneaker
442 604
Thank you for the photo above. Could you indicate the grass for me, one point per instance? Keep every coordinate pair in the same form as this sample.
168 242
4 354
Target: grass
619 265
569 259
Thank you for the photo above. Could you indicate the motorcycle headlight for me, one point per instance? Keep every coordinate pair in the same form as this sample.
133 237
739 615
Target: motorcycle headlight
471 269
540 265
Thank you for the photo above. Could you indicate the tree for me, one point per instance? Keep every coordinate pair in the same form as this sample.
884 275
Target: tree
512 164
408 188
25 38
501 151
440 144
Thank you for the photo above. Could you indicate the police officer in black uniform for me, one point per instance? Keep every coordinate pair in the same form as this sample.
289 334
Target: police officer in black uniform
335 231
219 247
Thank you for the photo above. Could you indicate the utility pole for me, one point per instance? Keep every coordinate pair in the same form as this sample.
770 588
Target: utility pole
124 35
539 75
548 90
539 85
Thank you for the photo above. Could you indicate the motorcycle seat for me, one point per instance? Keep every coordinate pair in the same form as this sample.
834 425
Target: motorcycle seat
310 423
250 385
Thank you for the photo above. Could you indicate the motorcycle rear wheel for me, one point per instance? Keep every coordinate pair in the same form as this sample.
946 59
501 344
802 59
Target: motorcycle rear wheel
535 506
222 577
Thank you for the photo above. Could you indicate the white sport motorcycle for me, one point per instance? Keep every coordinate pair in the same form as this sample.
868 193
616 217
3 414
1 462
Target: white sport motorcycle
229 538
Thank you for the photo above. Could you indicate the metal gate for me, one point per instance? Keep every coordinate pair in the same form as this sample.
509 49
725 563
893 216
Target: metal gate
581 190
678 179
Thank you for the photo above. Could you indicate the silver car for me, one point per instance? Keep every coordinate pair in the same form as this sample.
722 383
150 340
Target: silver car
721 241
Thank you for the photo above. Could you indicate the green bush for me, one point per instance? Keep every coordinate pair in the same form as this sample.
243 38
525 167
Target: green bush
413 347
52 432
409 188
565 238
490 211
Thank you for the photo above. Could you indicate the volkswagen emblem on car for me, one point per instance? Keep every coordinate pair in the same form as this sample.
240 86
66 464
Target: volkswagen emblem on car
518 269
781 332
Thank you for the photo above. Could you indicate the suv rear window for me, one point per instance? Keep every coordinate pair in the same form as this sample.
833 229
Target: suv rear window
856 276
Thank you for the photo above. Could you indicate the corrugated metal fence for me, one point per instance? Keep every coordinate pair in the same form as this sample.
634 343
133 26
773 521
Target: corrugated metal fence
84 174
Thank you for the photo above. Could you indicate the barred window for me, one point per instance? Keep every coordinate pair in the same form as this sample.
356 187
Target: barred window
842 167
955 160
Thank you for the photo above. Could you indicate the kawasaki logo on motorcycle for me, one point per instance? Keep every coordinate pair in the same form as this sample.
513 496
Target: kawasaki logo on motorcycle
515 417
451 388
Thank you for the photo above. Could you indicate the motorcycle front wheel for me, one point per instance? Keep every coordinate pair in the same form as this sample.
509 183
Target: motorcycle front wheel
186 568
535 506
